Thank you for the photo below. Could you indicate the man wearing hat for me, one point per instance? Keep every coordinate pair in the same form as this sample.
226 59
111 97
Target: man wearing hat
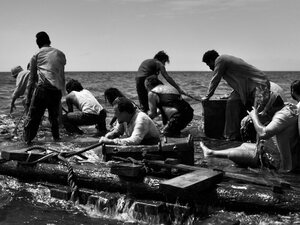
47 68
21 84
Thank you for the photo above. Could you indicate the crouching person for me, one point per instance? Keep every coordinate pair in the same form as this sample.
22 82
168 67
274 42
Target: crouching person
133 126
89 112
176 112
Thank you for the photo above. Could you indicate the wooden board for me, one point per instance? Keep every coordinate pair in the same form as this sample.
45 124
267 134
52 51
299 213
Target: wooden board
192 183
126 169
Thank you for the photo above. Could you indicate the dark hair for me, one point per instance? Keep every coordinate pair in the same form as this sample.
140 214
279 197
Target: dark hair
162 57
125 105
151 82
42 39
28 66
295 88
210 55
111 94
73 85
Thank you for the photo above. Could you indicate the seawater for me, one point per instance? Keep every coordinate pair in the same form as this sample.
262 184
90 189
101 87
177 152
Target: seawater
27 203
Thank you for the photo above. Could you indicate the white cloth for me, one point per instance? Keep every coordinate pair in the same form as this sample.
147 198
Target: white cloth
87 103
139 128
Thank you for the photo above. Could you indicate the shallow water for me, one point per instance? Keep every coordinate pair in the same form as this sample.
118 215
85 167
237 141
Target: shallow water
25 203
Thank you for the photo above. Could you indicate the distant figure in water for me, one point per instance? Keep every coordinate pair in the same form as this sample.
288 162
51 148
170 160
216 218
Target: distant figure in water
90 111
243 78
283 127
21 77
47 69
148 68
176 112
133 127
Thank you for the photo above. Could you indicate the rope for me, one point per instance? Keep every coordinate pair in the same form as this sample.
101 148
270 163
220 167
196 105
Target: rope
71 179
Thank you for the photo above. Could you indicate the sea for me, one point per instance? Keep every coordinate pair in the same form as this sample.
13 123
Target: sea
31 203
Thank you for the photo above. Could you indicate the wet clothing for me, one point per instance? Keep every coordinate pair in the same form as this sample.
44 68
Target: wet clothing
49 65
275 103
72 120
285 127
147 68
239 75
21 84
47 69
178 120
243 78
140 130
90 112
44 97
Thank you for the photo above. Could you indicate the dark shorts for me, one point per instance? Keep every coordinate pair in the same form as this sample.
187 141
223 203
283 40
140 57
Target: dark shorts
178 121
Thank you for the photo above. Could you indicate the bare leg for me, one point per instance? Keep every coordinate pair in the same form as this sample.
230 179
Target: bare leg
215 153
245 154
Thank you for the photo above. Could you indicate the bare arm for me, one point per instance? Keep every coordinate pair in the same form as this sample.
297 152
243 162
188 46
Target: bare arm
152 101
70 101
260 129
170 79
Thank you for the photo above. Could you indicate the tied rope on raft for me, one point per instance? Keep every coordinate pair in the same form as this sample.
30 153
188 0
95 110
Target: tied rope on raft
63 156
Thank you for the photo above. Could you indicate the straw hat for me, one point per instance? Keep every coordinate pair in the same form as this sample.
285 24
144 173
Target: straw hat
15 71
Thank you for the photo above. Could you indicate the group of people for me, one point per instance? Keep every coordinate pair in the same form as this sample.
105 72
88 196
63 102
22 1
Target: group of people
255 100
44 85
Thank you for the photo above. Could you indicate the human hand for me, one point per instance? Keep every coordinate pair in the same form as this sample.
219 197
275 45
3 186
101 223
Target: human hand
12 107
103 140
205 98
252 113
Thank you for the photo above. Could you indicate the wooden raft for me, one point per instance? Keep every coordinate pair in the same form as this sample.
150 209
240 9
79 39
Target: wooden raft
181 149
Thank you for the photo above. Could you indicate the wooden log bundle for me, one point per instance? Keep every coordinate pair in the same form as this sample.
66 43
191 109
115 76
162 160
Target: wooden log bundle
228 194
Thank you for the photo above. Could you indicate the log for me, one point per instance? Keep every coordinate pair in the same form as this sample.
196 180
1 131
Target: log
180 148
231 195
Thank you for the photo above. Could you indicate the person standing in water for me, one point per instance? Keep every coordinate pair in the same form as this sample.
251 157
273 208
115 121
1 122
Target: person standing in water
21 77
148 68
243 78
47 68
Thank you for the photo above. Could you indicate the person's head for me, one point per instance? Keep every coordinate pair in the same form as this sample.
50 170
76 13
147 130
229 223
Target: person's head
15 71
209 58
42 39
162 57
295 90
123 109
73 85
151 82
262 96
111 94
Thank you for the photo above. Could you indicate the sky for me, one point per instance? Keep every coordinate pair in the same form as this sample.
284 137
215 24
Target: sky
117 35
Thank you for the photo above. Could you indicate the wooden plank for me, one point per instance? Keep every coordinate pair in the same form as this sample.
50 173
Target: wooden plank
192 183
21 155
182 149
127 170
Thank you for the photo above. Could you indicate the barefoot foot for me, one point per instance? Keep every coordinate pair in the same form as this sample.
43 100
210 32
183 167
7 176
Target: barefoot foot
206 151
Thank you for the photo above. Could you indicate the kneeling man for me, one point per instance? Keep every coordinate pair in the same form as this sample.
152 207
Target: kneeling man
176 112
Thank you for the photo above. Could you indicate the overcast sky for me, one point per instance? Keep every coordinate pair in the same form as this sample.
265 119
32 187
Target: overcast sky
117 35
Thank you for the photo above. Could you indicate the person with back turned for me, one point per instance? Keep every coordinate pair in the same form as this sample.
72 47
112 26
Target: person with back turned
243 78
148 68
47 68
21 84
